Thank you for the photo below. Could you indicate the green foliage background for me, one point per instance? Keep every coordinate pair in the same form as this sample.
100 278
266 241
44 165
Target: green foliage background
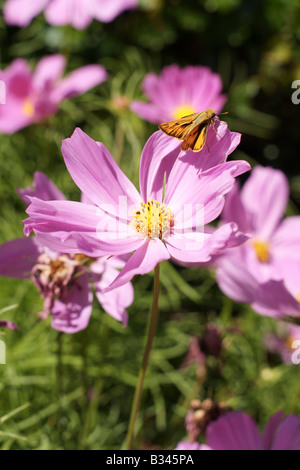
75 392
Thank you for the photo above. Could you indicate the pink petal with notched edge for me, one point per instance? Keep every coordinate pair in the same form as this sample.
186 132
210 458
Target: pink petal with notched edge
97 174
107 10
79 82
234 431
188 168
288 434
43 188
70 227
186 445
201 192
21 12
17 257
158 157
71 312
141 262
74 12
197 247
116 301
48 71
265 196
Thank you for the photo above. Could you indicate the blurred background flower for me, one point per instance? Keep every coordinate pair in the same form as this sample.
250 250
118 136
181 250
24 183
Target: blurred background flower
78 13
33 96
179 92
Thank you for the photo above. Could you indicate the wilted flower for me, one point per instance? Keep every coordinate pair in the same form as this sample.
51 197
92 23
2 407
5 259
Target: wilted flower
65 281
264 271
237 431
179 92
78 13
8 324
163 221
201 414
33 96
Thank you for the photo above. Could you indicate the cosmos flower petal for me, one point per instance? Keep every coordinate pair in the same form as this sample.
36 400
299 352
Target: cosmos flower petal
107 10
116 301
148 111
69 227
79 82
74 12
286 239
265 196
43 188
141 262
288 434
97 175
234 431
21 12
201 247
234 210
186 445
71 312
158 157
17 257
271 429
48 71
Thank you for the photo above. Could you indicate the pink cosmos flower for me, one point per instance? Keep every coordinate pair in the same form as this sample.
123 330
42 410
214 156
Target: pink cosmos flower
163 221
265 271
179 92
285 342
237 431
33 96
78 13
65 281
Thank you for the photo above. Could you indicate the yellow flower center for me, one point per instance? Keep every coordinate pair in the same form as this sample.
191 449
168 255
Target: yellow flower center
289 342
183 110
28 107
262 251
298 297
153 220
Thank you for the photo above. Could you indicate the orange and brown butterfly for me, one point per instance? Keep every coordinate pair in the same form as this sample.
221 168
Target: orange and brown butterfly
192 129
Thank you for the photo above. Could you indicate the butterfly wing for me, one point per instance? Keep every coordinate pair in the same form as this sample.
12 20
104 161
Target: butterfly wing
179 128
196 139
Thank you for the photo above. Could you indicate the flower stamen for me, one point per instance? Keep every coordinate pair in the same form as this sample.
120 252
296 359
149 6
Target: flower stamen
182 111
262 250
28 107
153 220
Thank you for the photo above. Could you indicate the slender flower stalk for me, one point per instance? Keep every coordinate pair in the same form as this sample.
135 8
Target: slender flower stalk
150 337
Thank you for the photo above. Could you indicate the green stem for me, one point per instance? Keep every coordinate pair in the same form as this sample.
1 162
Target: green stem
150 337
